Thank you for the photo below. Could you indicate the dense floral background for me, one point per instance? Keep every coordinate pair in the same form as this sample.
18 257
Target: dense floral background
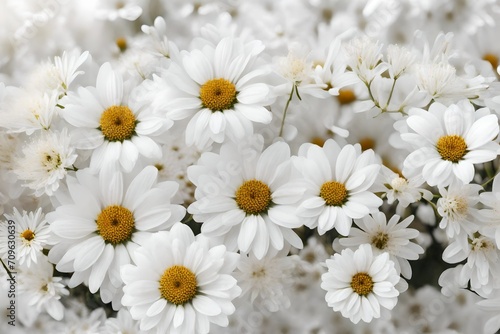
284 166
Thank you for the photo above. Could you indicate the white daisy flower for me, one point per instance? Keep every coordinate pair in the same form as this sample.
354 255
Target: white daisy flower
220 90
457 207
185 289
364 58
482 266
393 237
247 197
404 190
448 141
104 220
112 122
359 284
339 185
267 282
46 162
32 235
41 291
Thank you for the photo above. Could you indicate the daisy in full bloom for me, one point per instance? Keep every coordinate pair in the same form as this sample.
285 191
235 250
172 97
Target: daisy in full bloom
46 162
179 283
359 284
112 122
247 197
448 141
103 220
390 236
339 185
219 89
32 235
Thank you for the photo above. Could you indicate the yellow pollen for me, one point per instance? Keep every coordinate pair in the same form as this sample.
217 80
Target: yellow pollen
160 167
362 284
334 193
380 240
117 123
318 141
178 285
346 96
28 235
451 147
253 197
492 59
115 224
218 94
121 42
367 143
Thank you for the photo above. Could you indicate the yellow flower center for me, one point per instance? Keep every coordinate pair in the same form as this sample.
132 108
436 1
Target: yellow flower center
492 59
362 284
218 94
121 42
451 147
28 235
334 193
253 197
178 285
115 224
380 240
318 141
346 96
367 144
117 123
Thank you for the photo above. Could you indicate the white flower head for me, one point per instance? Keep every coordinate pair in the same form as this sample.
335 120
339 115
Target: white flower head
32 234
179 283
393 237
339 185
266 282
364 58
219 89
112 122
359 284
448 141
45 162
400 60
41 290
457 207
103 220
247 197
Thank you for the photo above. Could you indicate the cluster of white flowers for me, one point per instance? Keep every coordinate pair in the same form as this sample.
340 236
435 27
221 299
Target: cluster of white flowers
286 166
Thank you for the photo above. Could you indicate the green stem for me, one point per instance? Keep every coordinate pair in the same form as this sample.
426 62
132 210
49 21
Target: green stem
390 94
7 270
286 109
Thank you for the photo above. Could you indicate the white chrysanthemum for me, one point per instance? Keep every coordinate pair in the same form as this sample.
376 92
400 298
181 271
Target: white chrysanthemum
448 141
267 282
28 111
31 235
402 189
339 190
390 236
112 122
41 291
219 89
457 208
359 284
482 266
129 10
364 57
179 284
247 197
104 220
45 162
